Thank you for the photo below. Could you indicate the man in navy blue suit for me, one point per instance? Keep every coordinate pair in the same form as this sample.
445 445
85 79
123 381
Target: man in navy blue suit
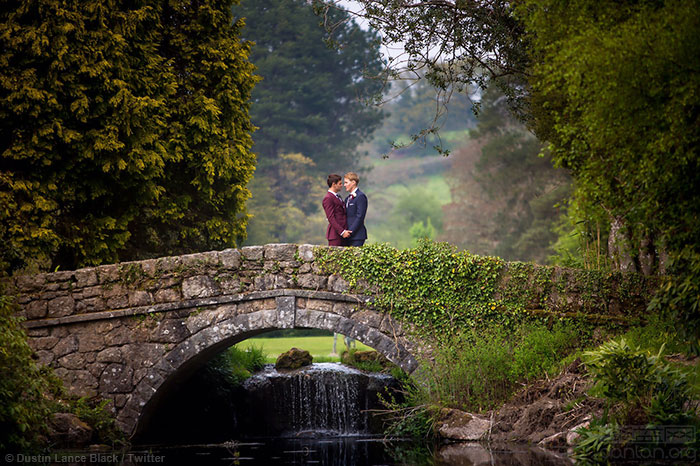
356 209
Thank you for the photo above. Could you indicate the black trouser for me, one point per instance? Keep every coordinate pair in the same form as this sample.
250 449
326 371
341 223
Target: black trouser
354 242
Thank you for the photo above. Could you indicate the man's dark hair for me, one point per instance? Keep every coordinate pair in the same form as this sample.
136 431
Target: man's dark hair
333 179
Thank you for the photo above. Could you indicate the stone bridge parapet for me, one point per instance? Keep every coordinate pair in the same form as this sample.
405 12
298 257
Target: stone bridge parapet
128 331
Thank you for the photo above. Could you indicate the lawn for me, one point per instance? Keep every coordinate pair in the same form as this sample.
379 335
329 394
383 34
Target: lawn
321 348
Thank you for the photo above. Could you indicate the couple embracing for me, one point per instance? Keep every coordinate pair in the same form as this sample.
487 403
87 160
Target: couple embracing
346 218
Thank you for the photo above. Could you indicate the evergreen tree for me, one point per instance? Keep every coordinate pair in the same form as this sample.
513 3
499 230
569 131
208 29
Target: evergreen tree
115 117
310 100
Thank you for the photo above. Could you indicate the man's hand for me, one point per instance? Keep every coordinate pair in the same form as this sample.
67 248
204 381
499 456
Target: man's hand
346 233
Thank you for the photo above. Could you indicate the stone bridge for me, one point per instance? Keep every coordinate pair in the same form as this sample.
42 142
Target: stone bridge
130 331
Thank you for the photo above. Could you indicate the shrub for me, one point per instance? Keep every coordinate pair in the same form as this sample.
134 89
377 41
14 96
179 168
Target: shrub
24 407
640 389
636 379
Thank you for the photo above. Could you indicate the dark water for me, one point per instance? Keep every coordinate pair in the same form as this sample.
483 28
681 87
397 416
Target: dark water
320 414
345 451
339 451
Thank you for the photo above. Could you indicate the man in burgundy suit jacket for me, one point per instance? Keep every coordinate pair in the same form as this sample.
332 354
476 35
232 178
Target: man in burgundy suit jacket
334 207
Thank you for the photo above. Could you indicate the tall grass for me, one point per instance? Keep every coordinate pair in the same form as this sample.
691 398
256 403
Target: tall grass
479 370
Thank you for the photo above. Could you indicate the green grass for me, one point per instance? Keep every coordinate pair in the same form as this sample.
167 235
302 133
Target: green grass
321 348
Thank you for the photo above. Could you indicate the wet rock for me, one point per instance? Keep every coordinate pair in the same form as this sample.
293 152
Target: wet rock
66 430
458 425
293 359
554 441
573 435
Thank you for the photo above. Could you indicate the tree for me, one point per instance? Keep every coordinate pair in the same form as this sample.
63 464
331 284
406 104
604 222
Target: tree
615 91
124 130
311 97
504 195
455 44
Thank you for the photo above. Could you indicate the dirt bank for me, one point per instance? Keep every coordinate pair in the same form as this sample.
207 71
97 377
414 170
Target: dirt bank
545 412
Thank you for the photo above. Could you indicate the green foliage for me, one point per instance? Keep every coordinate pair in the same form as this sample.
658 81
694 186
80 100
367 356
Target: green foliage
296 217
97 415
467 33
420 231
310 100
24 386
478 370
405 192
124 131
635 379
433 286
640 389
616 95
505 196
238 364
679 297
596 442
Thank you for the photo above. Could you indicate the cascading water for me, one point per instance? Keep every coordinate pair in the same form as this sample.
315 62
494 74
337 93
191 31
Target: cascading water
323 399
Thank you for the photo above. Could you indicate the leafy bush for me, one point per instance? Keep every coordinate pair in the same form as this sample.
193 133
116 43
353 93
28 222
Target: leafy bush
24 407
238 364
636 379
640 389
97 415
596 442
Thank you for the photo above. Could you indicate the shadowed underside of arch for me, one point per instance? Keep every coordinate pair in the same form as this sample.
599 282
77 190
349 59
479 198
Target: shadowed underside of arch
231 327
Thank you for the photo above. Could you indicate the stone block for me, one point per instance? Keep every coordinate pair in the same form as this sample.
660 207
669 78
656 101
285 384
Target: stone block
72 361
229 284
344 309
88 305
320 305
118 336
85 278
108 273
147 267
38 332
171 331
29 283
337 284
139 298
36 309
65 346
90 342
118 302
230 259
116 378
167 295
89 292
200 286
369 318
43 343
280 252
286 311
306 252
112 354
312 282
44 357
60 307
252 253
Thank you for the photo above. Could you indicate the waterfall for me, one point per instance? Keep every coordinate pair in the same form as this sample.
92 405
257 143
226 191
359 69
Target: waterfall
320 400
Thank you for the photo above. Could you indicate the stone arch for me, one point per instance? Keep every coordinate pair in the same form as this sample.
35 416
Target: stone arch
191 353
